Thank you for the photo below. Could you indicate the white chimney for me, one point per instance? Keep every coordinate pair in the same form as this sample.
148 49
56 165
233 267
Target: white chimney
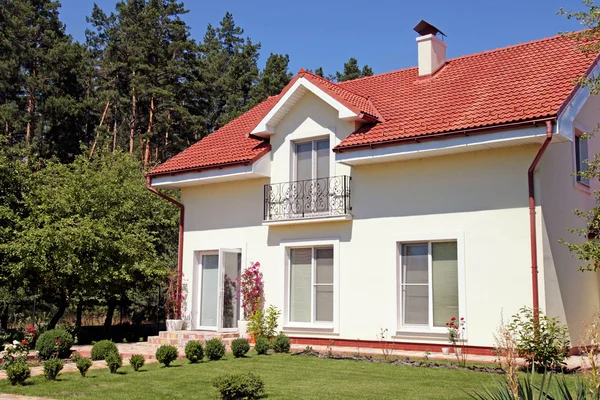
432 50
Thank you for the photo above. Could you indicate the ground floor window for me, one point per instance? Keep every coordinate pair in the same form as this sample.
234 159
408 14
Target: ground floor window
428 283
311 284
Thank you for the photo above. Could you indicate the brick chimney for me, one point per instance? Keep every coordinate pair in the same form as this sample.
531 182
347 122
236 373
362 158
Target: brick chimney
432 50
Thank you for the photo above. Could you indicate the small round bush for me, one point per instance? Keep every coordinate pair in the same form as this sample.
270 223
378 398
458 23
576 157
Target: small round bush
52 367
114 362
55 342
239 386
194 351
137 361
281 343
166 354
215 349
18 373
102 349
83 364
262 345
239 347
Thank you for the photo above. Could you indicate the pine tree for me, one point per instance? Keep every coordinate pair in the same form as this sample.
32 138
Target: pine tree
272 79
352 71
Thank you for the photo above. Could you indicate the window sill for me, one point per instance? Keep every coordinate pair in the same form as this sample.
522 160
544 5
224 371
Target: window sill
408 334
309 329
308 220
582 187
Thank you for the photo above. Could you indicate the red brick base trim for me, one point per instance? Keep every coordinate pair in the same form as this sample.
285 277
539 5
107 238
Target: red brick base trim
374 344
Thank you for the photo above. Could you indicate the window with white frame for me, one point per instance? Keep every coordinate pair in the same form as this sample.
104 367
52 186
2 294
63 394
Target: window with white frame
311 159
581 155
429 283
311 285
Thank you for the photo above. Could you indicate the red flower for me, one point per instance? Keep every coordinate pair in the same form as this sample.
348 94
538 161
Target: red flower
453 319
24 343
462 318
31 330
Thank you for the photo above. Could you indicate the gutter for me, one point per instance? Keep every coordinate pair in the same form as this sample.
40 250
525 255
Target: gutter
532 222
180 248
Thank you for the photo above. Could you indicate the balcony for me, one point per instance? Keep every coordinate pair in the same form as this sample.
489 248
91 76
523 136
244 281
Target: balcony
312 200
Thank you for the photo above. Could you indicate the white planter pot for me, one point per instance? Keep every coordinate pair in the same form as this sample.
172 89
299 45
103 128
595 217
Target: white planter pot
243 328
446 351
174 324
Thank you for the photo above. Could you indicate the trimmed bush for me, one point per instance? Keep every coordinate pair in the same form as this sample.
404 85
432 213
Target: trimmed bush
54 341
194 351
83 364
166 354
137 361
75 356
262 345
215 349
114 362
239 386
18 373
52 367
239 347
281 343
102 349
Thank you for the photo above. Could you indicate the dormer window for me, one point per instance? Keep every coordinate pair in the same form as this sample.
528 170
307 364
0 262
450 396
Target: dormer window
581 155
311 160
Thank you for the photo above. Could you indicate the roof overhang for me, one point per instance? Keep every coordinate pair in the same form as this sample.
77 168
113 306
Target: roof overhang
451 144
261 168
266 127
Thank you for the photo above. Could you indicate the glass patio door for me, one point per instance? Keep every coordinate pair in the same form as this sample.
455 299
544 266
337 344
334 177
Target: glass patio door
218 307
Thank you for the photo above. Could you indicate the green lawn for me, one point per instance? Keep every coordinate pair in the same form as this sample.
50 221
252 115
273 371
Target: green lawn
285 377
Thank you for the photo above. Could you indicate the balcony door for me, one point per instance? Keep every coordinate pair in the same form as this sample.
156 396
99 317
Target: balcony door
216 290
311 176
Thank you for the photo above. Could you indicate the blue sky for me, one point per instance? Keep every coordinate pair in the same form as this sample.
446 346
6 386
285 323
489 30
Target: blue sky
379 33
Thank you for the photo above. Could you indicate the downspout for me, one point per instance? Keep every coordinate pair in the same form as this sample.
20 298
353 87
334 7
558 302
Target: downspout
180 249
532 222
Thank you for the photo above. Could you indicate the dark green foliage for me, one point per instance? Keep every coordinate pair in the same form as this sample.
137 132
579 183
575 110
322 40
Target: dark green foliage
215 349
194 351
55 342
114 362
83 364
52 367
545 345
166 354
239 347
137 361
352 71
262 345
239 386
281 343
102 349
18 373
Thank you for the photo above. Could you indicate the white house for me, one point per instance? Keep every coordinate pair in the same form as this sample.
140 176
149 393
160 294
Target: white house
398 201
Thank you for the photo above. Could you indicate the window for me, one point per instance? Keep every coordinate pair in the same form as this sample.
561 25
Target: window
429 283
312 159
581 155
311 285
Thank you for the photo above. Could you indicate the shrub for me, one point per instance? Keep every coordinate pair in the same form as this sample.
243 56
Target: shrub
215 349
194 351
75 356
239 386
137 361
114 362
544 344
264 323
262 345
102 349
18 373
240 347
281 344
55 342
52 367
83 364
166 354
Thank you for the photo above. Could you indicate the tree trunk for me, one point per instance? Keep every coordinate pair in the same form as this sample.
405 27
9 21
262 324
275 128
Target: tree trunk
62 307
110 312
114 148
30 111
6 131
148 132
132 123
98 130
4 317
79 314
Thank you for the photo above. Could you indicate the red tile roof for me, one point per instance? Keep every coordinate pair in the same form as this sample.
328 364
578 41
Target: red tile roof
518 83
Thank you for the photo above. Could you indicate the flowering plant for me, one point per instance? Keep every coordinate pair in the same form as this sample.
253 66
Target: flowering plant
16 352
456 336
251 290
173 297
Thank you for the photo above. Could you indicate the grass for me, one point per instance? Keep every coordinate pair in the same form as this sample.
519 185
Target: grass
285 376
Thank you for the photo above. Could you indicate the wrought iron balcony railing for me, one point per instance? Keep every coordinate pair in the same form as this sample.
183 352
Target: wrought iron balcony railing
310 198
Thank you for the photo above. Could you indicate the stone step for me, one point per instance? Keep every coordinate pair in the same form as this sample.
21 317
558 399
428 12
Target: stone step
196 335
181 342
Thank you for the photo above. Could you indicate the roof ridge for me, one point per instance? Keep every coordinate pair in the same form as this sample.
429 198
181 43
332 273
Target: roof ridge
485 52
338 84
